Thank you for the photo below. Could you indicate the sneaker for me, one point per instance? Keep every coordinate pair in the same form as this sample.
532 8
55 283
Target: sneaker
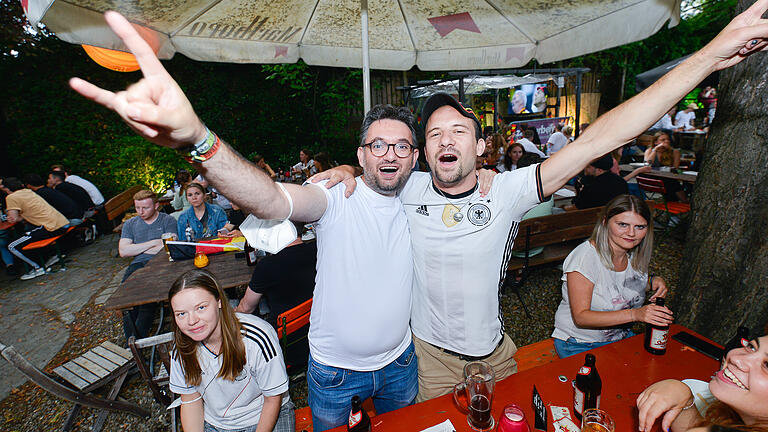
52 260
33 273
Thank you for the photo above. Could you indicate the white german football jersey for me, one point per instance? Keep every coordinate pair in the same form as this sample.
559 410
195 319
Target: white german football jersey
460 261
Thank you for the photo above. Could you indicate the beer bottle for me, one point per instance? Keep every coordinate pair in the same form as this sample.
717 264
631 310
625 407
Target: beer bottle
739 340
358 418
250 254
188 233
656 335
586 392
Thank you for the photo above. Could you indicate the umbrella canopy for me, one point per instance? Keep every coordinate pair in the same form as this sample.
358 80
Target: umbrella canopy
431 34
645 79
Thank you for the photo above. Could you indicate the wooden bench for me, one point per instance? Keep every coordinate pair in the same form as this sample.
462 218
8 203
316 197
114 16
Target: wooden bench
44 243
116 207
558 234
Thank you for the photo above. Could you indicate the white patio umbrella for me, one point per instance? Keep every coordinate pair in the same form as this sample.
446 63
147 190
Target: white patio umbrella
433 35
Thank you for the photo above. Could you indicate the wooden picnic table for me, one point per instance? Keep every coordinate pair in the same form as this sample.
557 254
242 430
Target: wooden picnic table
151 283
625 368
689 178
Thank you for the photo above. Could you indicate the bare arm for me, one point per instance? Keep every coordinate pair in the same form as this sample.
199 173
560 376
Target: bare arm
192 414
14 216
249 301
270 171
675 158
637 172
670 399
580 296
127 248
269 413
746 34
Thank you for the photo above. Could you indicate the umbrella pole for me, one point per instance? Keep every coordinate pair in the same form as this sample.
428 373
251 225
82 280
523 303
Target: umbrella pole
366 64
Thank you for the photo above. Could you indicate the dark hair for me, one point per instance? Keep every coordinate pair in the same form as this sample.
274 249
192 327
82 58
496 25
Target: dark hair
323 160
257 158
388 112
34 180
528 133
58 167
13 183
528 159
307 152
58 174
232 347
183 176
507 160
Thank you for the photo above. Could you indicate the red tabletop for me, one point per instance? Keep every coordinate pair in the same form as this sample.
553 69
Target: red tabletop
625 368
4 225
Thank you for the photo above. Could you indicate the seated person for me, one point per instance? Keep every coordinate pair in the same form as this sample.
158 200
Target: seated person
93 192
285 280
661 154
306 163
262 163
599 185
543 209
73 191
322 162
513 154
527 143
61 202
43 221
227 367
179 201
605 280
204 219
141 238
685 118
734 398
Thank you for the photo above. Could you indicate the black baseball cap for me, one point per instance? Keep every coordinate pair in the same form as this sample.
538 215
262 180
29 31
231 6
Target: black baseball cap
438 100
604 163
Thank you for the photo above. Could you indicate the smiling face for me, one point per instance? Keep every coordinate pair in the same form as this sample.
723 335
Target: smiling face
626 231
452 149
742 383
387 174
303 157
196 313
195 196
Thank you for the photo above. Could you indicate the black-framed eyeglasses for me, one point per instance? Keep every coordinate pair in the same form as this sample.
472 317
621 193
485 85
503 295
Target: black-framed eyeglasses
379 148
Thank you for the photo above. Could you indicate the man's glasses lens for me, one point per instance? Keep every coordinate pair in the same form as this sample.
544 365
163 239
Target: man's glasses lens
380 148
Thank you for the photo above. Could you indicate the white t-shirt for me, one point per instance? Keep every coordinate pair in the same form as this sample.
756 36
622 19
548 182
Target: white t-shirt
530 147
458 266
556 142
237 404
301 166
684 119
89 187
613 291
665 122
362 299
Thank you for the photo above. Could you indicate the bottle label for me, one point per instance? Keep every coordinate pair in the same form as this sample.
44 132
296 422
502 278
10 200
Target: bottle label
578 400
597 404
252 256
659 338
354 418
585 370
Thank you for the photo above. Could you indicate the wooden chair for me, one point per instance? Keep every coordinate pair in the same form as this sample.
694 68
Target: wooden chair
668 208
99 366
157 382
116 207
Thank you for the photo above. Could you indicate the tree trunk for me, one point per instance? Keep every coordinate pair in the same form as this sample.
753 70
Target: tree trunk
724 273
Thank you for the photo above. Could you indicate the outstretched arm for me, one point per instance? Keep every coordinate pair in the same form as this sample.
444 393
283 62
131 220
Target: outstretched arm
158 110
746 34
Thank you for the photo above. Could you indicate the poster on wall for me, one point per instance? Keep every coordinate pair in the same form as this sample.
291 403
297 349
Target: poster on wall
527 99
544 127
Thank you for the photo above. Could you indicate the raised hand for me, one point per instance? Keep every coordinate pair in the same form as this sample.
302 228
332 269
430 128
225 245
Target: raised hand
155 107
746 34
658 285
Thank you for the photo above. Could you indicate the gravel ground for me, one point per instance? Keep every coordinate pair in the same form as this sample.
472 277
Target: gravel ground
28 408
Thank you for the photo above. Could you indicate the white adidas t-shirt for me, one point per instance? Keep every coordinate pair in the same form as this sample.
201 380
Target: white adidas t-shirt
237 404
613 291
362 298
459 266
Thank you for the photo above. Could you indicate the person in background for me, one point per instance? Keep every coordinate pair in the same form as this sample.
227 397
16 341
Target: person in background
5 237
528 145
632 185
665 123
306 163
322 162
43 221
73 191
227 367
599 185
685 119
605 280
733 400
557 140
218 199
514 152
205 219
180 202
141 238
661 154
58 200
542 209
519 102
93 192
262 163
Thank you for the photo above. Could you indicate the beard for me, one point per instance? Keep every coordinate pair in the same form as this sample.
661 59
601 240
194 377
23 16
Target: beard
386 187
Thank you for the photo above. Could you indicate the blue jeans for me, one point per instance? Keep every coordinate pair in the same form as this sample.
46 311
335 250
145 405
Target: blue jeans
331 389
6 255
567 348
286 422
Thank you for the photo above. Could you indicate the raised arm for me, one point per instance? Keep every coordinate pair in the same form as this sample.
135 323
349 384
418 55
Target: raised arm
746 34
158 110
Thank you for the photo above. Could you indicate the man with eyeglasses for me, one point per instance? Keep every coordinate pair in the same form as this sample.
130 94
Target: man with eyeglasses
360 339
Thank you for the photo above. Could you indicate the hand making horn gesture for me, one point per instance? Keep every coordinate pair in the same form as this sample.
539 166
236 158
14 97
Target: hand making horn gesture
155 107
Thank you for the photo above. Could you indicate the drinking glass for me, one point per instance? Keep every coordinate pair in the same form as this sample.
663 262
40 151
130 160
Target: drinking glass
477 387
597 420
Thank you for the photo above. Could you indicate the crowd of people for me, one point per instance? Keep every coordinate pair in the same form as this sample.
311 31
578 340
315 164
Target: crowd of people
377 234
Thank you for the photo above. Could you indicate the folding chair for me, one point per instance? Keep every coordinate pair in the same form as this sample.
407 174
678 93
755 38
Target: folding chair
157 382
670 208
94 369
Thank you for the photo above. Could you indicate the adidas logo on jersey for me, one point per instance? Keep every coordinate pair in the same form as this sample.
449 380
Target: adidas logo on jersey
422 210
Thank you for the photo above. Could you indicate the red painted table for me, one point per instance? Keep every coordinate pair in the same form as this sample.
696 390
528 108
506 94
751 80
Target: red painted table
625 368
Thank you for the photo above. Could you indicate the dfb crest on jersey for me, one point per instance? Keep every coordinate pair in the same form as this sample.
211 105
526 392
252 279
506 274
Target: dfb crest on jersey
479 214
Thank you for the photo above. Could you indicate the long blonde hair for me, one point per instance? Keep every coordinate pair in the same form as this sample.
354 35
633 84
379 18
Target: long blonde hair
232 346
640 254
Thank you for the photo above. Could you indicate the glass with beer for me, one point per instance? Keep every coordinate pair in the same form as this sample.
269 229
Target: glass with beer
477 387
597 420
166 237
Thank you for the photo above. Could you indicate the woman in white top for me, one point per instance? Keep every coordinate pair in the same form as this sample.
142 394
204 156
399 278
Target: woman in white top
739 389
227 367
605 280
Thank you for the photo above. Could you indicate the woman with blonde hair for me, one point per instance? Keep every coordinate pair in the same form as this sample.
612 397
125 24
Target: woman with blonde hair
605 280
661 154
227 367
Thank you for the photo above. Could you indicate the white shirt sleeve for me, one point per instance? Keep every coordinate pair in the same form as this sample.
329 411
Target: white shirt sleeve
177 383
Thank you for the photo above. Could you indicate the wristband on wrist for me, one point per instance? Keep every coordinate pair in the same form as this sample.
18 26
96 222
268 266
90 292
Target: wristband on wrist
203 150
650 282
